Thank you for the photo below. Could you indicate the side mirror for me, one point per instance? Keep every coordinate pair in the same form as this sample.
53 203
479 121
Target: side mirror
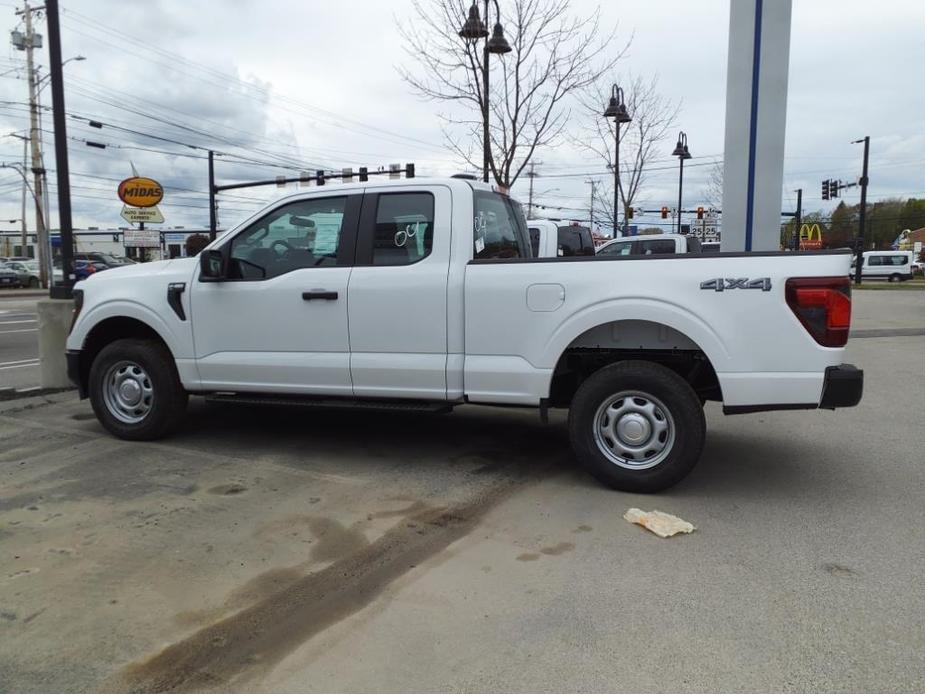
211 266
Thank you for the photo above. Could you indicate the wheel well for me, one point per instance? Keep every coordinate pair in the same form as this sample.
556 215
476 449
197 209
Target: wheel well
632 339
108 331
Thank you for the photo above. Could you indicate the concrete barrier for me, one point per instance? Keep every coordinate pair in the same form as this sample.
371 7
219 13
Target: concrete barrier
54 325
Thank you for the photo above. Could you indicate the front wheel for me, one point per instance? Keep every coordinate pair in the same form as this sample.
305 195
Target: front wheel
135 390
33 283
637 426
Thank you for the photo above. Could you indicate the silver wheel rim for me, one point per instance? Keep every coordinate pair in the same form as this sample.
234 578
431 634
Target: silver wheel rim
634 430
128 392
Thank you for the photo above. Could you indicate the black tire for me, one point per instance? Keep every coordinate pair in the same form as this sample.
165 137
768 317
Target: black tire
33 282
167 404
895 278
659 386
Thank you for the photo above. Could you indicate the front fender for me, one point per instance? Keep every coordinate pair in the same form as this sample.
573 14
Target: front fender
177 341
636 308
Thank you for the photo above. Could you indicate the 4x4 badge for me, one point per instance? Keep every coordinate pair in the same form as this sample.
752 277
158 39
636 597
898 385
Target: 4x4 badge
722 284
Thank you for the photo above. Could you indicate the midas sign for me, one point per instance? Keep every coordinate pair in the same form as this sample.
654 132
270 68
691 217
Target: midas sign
139 191
807 242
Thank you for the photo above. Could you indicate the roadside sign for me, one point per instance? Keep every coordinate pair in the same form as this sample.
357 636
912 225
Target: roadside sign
147 215
175 238
917 247
139 191
807 242
141 238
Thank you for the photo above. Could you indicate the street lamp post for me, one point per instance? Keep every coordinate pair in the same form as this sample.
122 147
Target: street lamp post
682 153
472 30
616 109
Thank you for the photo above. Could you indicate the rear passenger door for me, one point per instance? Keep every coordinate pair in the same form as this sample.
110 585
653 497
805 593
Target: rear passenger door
397 294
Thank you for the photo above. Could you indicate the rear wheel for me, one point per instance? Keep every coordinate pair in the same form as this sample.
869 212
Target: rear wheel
895 278
637 426
33 282
135 390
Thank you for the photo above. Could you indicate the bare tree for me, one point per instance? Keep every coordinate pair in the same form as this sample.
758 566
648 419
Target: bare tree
554 55
653 116
713 191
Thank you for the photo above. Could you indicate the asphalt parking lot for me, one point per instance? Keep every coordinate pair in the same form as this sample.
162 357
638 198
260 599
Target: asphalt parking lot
264 550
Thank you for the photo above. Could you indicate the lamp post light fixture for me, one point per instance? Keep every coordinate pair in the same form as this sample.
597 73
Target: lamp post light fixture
472 30
682 153
616 109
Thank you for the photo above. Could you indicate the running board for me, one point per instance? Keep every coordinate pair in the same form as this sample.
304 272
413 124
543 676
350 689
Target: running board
333 403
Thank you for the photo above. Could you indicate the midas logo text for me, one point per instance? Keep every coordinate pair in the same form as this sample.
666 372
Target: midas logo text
139 191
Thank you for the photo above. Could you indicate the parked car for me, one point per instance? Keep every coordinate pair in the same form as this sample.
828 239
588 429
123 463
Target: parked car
918 267
894 266
107 259
28 273
9 278
411 306
82 270
655 244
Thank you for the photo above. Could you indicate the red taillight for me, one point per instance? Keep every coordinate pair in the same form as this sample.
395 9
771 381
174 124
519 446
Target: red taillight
823 306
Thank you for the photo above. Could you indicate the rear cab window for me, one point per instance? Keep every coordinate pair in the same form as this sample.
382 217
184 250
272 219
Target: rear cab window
499 228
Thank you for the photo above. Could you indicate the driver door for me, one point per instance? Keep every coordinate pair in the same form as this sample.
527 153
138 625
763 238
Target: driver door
278 322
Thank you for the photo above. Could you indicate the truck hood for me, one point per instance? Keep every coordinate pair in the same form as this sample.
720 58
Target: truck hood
181 268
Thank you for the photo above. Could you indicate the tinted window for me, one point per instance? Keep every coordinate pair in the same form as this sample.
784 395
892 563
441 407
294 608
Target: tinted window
875 260
620 248
500 230
404 228
569 243
301 234
899 259
535 241
587 241
657 247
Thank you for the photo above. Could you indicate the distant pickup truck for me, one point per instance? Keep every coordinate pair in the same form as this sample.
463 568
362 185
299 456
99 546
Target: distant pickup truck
423 294
655 244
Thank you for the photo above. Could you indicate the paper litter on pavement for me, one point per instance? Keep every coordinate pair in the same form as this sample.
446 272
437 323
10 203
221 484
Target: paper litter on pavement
662 524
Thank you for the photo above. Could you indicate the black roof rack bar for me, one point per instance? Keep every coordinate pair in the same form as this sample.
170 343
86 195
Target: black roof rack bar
320 177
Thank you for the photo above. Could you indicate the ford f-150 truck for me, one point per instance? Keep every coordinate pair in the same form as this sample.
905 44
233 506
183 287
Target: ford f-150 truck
423 294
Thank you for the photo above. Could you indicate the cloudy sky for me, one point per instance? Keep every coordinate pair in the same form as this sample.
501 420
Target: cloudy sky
310 84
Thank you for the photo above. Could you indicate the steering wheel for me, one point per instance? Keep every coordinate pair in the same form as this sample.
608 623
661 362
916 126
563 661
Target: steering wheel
286 247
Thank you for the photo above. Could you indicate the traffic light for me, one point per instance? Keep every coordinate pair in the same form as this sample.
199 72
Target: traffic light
664 213
825 189
699 213
629 212
833 188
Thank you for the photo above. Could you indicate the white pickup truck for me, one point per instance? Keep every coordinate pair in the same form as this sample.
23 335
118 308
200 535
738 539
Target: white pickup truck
423 294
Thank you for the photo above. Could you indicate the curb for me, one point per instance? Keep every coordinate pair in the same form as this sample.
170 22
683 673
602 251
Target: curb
24 293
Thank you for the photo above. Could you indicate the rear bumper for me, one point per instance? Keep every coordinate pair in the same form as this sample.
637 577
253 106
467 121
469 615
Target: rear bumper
73 371
842 386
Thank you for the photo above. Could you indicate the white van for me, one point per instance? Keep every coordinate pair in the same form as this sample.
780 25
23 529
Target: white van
895 266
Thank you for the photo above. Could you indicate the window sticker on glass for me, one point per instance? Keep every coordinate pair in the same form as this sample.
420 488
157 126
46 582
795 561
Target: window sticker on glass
479 245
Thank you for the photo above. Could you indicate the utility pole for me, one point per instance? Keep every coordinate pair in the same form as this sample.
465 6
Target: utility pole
29 42
25 166
797 221
212 221
593 191
531 174
859 258
56 73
